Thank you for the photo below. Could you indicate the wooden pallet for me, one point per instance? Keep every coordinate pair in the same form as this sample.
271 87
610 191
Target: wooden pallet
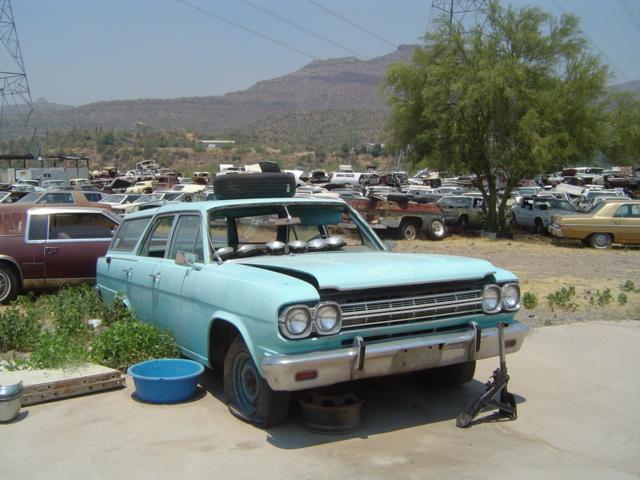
46 385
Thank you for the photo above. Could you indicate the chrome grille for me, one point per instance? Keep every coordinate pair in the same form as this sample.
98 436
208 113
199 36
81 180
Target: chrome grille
411 309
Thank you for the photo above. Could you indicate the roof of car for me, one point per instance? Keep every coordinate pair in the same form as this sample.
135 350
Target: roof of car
205 206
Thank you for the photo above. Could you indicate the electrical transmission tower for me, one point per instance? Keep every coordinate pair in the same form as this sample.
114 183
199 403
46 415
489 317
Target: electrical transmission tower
458 10
15 95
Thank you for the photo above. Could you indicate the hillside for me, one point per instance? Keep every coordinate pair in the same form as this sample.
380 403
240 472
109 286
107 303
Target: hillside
311 94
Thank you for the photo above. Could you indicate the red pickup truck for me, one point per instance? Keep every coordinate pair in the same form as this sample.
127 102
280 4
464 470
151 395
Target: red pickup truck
406 219
48 246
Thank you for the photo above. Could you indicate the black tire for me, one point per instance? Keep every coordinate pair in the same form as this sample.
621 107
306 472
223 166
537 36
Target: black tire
248 395
399 197
254 185
600 241
8 284
436 229
463 222
409 230
451 375
538 226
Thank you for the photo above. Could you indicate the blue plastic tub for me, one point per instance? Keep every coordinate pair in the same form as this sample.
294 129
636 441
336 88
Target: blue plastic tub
166 380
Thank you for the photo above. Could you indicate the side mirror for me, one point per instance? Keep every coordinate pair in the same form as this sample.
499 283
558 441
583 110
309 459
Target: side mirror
187 259
391 245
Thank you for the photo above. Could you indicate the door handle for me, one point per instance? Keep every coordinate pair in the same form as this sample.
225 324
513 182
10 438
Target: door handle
127 271
52 250
155 276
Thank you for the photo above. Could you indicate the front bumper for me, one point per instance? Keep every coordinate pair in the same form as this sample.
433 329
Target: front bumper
387 358
555 231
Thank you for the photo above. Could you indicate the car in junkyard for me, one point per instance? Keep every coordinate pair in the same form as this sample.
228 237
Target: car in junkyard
11 197
461 210
280 296
75 197
43 246
537 212
613 221
586 202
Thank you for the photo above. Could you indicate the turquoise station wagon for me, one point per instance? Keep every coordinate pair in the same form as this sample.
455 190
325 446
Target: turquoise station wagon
287 294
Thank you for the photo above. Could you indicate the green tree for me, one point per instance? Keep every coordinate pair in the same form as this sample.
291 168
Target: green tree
512 97
622 127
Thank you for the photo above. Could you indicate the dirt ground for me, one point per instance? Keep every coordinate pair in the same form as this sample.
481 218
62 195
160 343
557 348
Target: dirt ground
576 385
545 265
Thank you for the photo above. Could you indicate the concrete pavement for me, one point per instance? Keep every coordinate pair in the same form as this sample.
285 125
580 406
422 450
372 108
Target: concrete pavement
578 388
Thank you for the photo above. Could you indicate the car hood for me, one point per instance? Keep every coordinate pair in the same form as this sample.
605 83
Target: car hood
346 271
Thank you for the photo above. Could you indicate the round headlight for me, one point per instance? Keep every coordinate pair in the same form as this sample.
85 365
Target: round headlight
491 299
328 318
296 322
511 297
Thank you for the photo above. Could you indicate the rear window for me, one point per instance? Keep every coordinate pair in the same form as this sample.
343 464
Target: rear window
128 234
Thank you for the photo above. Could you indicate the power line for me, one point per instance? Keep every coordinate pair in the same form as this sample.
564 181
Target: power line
303 29
352 23
595 45
247 29
630 14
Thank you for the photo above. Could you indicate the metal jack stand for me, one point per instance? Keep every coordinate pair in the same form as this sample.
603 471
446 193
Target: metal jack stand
497 384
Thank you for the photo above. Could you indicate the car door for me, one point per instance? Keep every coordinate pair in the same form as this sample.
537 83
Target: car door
172 309
75 241
626 223
142 291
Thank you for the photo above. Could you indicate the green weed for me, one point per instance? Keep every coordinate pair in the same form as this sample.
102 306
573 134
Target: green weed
563 299
529 300
19 330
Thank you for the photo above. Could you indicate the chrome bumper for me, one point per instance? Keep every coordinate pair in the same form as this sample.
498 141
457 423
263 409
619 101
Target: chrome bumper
387 358
556 232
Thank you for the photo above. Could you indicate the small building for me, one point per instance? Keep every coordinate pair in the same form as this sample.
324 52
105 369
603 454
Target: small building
216 143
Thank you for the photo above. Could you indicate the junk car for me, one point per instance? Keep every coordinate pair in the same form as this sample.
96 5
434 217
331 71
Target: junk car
280 296
50 246
609 222
536 212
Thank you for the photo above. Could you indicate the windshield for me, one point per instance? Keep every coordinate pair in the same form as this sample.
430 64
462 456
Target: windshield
113 198
30 198
312 227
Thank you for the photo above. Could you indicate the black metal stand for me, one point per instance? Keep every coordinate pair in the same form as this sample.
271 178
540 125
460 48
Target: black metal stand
497 385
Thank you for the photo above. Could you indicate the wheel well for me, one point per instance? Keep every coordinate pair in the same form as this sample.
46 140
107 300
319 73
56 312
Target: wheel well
221 335
14 268
415 220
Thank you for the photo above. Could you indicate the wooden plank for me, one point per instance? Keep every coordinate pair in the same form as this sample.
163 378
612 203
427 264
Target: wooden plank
52 384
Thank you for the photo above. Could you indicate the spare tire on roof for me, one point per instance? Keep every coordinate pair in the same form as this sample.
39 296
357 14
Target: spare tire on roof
400 197
254 185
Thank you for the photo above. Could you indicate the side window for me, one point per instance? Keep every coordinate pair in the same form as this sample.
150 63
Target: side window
155 244
187 237
622 211
128 234
56 197
218 231
628 211
66 226
93 197
38 227
634 211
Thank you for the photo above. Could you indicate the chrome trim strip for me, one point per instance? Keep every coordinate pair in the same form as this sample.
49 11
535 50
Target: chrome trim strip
414 319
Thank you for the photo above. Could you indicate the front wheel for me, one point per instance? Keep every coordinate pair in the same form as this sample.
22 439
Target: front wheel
249 396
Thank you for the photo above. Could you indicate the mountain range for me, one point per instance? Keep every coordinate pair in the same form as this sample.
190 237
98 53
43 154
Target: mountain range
326 102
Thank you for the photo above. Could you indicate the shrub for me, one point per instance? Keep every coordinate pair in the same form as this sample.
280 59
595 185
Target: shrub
126 342
629 287
58 350
563 299
19 330
529 300
622 299
601 299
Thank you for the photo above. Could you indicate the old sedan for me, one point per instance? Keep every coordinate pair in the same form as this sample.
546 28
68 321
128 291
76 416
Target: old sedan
614 221
50 246
282 296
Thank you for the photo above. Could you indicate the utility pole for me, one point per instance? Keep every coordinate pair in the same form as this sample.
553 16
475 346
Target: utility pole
15 95
456 10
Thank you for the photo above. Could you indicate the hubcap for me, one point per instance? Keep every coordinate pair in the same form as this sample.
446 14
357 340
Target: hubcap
601 239
410 232
438 228
246 384
5 285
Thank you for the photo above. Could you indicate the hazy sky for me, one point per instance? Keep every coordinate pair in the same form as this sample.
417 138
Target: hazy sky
81 51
